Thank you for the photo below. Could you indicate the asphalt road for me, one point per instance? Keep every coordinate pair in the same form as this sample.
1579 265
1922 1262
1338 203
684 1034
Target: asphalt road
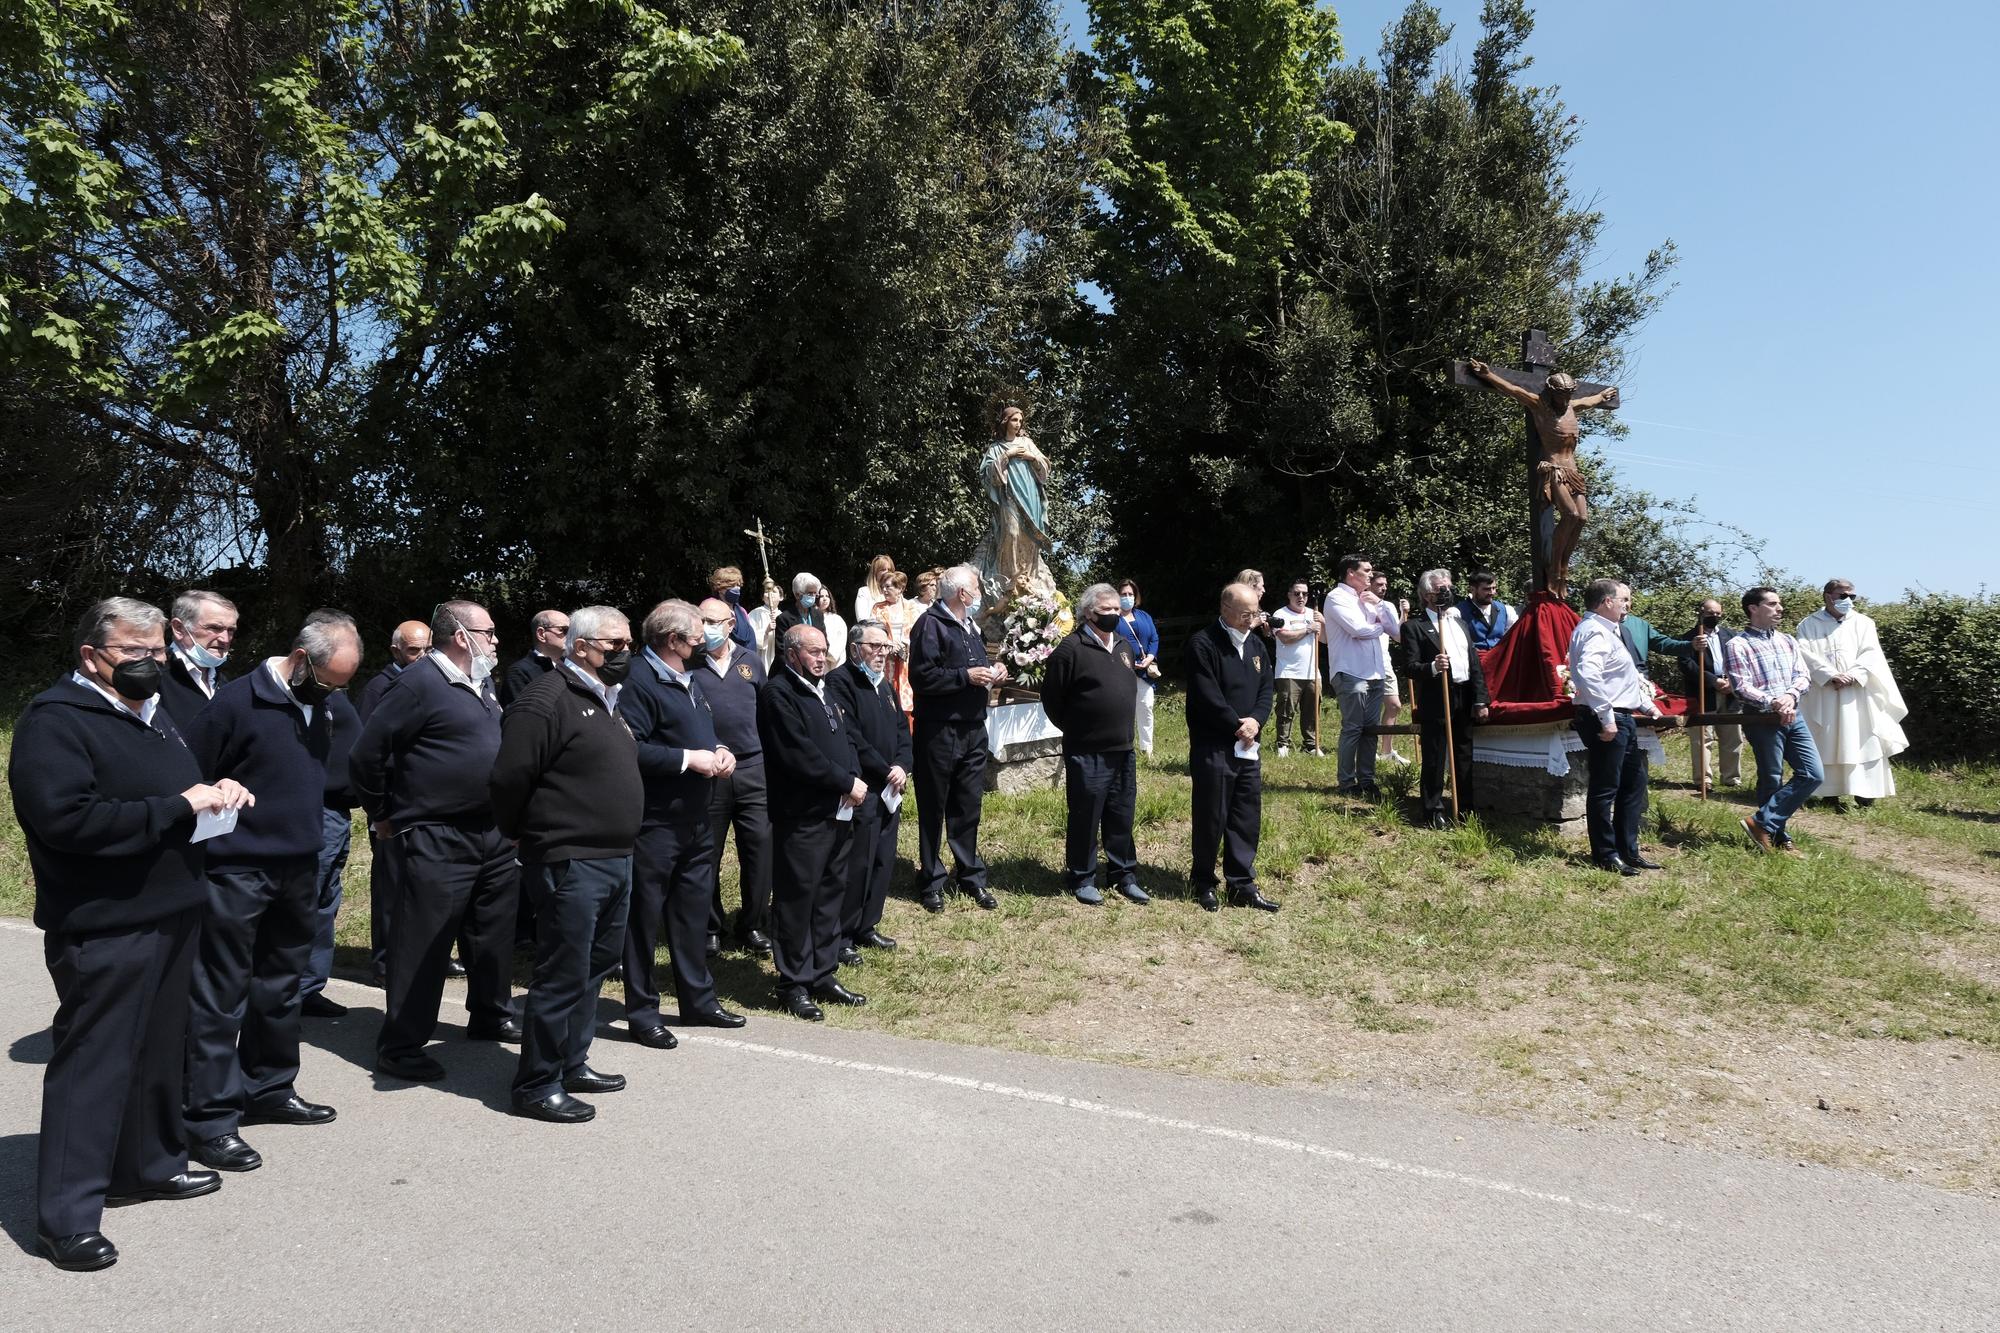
802 1177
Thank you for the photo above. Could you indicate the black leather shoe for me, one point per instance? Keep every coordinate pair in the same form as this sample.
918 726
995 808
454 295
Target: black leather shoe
454 968
410 1068
616 976
1438 820
316 1005
982 895
587 1079
1368 791
799 1005
714 946
1644 864
1206 899
558 1108
294 1110
875 939
1250 897
931 902
849 955
85 1252
186 1185
507 1029
654 1035
1611 865
832 992
226 1152
717 1017
754 941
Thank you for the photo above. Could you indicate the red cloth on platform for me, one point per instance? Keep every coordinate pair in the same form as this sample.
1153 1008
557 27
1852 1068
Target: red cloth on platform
1522 684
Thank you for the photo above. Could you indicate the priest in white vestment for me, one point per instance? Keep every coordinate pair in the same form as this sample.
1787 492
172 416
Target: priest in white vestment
1853 709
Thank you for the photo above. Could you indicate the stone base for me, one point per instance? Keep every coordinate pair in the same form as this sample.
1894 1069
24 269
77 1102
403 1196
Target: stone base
1031 766
1531 793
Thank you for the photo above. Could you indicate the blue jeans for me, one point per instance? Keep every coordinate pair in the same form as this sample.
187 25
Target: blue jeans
1360 706
580 912
1775 747
336 827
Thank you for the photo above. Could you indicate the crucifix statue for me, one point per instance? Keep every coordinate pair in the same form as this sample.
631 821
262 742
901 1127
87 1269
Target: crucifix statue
1558 496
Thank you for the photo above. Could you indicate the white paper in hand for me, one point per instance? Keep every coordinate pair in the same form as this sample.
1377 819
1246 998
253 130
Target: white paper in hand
892 799
845 813
1246 749
207 825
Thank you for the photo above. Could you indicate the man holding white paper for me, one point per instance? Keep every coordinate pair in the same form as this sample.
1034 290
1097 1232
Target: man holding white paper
883 748
1231 678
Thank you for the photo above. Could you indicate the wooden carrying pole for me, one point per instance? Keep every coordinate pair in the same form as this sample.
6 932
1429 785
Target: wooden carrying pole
1450 745
1701 732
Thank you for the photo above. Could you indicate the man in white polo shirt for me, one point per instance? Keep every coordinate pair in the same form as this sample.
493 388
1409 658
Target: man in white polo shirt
1356 623
1297 628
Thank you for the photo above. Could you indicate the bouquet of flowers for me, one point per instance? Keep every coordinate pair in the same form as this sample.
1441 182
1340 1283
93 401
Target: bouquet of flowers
1034 626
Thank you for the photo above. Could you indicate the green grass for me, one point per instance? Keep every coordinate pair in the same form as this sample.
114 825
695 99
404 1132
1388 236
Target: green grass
1392 929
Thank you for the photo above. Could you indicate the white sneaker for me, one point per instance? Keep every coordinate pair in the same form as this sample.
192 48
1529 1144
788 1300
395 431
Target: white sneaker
1394 758
1284 749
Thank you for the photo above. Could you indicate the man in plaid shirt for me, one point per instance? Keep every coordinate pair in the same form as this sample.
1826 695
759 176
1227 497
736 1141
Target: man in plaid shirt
1768 673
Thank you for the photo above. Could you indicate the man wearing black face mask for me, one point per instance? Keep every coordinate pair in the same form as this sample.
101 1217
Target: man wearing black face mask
1091 691
272 730
1444 670
566 788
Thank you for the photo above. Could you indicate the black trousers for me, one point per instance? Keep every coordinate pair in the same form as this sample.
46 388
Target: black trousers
1616 801
451 883
871 861
111 1094
673 869
1430 736
381 897
1228 808
951 781
580 910
808 896
740 801
243 1021
1103 791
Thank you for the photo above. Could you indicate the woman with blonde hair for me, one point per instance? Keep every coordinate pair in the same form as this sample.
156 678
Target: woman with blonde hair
898 616
870 592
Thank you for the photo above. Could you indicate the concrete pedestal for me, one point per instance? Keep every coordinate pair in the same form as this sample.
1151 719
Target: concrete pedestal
1025 749
1539 772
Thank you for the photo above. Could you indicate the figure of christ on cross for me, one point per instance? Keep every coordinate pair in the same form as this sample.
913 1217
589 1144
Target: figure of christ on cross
1559 495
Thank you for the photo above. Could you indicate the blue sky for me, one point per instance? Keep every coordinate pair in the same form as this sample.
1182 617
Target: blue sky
1819 375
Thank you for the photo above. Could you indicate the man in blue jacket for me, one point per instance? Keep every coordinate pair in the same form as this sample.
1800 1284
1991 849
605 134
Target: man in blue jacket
270 730
950 675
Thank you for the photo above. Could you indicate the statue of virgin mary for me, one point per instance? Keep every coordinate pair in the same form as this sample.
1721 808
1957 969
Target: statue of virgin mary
1012 558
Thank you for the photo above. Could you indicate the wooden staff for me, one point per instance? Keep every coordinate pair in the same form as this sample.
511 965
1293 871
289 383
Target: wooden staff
1450 745
1701 732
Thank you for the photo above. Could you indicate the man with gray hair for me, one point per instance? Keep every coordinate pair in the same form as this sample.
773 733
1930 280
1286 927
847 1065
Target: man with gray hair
204 630
950 677
882 747
419 770
1091 691
275 731
1444 671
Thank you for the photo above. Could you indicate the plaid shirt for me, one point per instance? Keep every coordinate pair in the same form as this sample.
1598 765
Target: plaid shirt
1765 664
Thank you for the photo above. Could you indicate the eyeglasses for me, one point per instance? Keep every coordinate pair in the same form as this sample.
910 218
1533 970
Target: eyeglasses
558 630
130 652
609 645
719 624
868 647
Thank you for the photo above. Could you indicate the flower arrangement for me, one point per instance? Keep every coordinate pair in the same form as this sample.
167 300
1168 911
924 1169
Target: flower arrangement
1034 626
1564 685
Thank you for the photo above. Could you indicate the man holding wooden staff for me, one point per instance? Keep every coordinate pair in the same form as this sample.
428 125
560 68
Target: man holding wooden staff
1437 650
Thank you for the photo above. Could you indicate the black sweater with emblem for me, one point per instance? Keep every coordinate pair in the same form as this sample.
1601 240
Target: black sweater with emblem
566 782
881 732
1091 693
667 721
98 794
809 756
255 733
1225 685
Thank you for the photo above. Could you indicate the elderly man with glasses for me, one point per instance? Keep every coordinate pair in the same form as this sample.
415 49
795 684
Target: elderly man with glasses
882 745
419 770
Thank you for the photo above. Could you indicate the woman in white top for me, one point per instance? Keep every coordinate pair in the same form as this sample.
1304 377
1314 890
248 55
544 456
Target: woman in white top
870 592
1392 689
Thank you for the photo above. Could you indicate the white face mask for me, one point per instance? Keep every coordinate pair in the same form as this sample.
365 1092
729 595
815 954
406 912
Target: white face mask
1843 606
482 667
205 659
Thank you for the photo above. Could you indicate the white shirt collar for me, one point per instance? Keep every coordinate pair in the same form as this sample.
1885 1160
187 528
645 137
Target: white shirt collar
667 673
719 663
145 710
451 671
1236 636
608 693
818 687
271 665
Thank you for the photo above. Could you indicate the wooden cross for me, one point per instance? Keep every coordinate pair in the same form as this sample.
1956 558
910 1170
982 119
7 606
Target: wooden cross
763 550
1538 355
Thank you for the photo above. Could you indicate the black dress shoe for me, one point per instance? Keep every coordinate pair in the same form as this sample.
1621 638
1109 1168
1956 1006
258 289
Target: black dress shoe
558 1108
1437 819
654 1035
616 977
717 1017
799 1005
186 1185
931 902
507 1029
982 895
410 1068
875 939
1644 864
1611 865
454 968
316 1005
294 1110
226 1152
85 1252
1368 791
1250 897
832 992
587 1079
1206 899
754 941
713 948
849 955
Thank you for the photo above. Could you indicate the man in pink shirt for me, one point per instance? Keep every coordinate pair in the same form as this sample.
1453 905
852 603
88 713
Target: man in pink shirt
1356 623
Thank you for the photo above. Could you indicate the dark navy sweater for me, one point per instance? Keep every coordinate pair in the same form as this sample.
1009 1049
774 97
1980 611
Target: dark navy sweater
732 701
941 653
1090 693
253 731
426 752
98 794
1225 685
566 782
808 750
881 736
667 721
